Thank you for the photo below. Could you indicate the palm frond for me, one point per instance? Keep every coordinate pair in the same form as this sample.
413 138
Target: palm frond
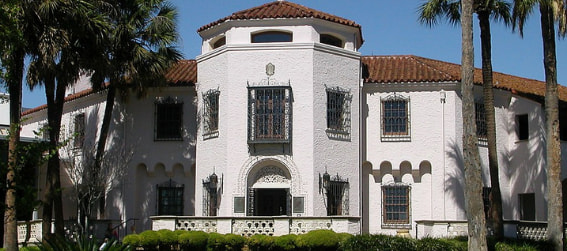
522 10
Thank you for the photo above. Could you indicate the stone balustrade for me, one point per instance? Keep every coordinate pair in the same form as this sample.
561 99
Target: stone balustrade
247 226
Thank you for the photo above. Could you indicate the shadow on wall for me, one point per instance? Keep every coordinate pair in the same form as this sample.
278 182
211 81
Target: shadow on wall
455 180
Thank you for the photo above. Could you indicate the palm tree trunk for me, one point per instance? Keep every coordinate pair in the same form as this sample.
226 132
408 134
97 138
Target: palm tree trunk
101 145
553 147
15 88
471 157
495 212
53 204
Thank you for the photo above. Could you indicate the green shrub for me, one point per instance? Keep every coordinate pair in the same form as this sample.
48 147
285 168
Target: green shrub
434 244
378 242
318 240
29 248
132 239
260 242
234 242
149 240
193 240
285 242
167 239
521 245
215 242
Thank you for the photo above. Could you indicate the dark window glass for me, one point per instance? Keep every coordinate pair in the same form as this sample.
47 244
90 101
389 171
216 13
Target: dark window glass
335 110
272 36
331 40
395 117
211 111
480 118
220 42
170 201
168 121
269 114
79 124
527 206
522 127
395 202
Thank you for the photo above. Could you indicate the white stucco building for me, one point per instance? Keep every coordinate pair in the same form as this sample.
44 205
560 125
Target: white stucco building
281 126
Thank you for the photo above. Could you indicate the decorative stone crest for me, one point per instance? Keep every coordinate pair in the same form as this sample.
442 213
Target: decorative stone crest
270 69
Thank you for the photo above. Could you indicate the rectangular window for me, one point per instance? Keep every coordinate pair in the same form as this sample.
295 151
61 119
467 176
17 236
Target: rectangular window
79 126
395 118
338 110
269 114
170 200
396 205
480 119
522 128
527 206
210 195
168 119
336 192
211 113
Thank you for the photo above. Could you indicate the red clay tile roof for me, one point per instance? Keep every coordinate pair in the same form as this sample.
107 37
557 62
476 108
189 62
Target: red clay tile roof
280 9
184 73
409 68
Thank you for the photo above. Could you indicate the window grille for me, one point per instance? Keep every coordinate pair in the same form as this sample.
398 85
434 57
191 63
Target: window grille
79 126
211 113
395 118
338 110
168 119
480 118
336 193
170 198
269 114
210 195
45 132
396 205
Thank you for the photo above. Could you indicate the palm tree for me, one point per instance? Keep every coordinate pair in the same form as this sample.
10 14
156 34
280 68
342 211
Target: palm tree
12 60
552 12
61 32
433 10
139 50
471 156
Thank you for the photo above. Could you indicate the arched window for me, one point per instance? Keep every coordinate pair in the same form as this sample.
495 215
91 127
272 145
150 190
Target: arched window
331 40
272 37
220 42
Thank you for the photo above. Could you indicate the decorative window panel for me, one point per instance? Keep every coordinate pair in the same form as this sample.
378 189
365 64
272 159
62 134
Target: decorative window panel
396 205
79 130
395 118
168 119
269 114
338 110
211 113
210 195
170 198
480 119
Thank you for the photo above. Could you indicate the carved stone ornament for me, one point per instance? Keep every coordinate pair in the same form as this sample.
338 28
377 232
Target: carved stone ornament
270 69
271 174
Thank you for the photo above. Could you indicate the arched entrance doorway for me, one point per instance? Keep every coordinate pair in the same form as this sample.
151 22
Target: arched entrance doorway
269 192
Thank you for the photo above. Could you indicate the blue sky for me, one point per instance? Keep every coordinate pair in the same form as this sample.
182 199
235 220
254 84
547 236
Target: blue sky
389 28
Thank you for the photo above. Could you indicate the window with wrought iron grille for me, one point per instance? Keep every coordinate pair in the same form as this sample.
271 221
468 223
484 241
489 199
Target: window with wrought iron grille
338 110
168 119
480 118
395 118
269 114
335 190
210 195
79 126
170 198
396 205
211 113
